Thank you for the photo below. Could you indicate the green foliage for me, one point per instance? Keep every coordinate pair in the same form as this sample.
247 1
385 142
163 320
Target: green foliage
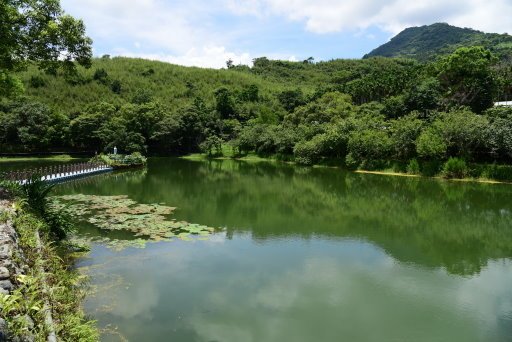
413 167
121 160
31 126
121 213
309 152
224 103
142 96
116 86
361 111
291 99
462 131
394 107
36 192
455 168
39 31
493 171
404 134
424 96
467 77
327 109
369 145
101 76
212 146
431 145
58 284
36 81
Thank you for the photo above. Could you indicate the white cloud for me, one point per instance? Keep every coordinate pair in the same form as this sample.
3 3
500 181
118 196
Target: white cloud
205 57
322 16
180 31
206 33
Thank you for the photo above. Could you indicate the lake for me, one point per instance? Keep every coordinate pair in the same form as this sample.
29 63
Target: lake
304 254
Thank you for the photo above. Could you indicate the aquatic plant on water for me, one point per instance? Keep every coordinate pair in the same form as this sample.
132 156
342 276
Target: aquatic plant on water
147 222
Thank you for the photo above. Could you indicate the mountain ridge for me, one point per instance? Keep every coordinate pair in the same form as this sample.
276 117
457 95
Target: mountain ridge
427 42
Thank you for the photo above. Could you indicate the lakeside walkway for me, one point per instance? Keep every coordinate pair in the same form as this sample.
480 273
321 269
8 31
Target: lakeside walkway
59 173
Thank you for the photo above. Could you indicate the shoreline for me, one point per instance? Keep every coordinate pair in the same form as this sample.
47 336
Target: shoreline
255 158
369 172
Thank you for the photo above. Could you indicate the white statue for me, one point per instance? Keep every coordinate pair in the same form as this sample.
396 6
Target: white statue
115 150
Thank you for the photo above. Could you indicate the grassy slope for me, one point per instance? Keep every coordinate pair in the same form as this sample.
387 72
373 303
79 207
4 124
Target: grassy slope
168 84
175 85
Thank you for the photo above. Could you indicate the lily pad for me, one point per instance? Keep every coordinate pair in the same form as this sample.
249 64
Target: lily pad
150 221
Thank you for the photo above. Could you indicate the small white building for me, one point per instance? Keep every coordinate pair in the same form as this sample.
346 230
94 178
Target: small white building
503 104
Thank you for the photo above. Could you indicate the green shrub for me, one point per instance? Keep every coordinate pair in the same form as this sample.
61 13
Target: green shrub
121 160
116 86
36 192
430 168
310 152
493 171
212 146
430 144
455 168
413 167
37 81
351 163
369 145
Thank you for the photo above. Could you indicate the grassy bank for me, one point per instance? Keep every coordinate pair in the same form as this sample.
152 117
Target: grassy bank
48 287
60 157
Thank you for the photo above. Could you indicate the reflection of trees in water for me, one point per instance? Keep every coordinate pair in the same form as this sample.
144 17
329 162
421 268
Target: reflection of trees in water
124 176
434 223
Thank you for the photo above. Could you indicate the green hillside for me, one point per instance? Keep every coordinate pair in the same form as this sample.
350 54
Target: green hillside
429 41
367 113
170 84
177 86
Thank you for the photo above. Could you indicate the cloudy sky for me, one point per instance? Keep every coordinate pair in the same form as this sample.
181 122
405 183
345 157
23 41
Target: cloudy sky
206 33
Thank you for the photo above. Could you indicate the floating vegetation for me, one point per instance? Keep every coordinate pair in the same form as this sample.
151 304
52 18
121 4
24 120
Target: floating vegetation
148 222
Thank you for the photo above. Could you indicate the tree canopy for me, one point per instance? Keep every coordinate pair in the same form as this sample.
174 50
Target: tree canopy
39 31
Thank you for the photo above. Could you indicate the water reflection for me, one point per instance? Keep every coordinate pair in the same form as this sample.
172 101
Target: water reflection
307 254
322 291
459 226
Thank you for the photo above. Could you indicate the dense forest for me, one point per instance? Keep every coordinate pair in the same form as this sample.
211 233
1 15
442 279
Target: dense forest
364 113
427 42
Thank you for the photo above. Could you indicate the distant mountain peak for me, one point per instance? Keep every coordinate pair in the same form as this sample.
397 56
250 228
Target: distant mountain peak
429 41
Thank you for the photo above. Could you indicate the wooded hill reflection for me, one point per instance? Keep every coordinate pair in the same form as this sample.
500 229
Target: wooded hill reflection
433 223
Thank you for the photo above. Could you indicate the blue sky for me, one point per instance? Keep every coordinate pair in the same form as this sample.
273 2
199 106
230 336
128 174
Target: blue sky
206 33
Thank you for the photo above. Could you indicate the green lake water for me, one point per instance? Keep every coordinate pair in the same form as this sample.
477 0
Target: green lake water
304 254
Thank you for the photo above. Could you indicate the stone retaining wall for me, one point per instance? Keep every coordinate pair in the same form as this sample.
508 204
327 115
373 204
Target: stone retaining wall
11 262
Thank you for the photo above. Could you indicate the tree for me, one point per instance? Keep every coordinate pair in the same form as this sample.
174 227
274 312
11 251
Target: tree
463 132
425 96
404 133
328 108
212 145
309 60
116 86
250 93
142 96
224 103
369 145
101 76
431 145
467 78
85 129
229 64
394 107
39 31
291 99
32 126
